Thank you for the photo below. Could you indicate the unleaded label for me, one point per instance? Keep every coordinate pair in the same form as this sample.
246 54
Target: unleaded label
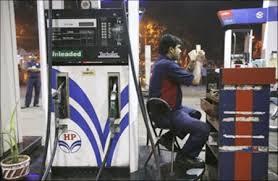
67 54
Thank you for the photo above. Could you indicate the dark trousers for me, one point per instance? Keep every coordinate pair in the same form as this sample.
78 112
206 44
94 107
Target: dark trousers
33 83
187 120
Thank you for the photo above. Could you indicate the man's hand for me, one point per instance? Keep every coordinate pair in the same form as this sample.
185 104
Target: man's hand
33 69
191 66
194 66
199 56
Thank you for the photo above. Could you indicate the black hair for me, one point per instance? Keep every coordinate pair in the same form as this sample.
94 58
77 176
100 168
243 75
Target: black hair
167 41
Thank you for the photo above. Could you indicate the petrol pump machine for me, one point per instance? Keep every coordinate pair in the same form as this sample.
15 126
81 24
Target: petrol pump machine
238 48
90 66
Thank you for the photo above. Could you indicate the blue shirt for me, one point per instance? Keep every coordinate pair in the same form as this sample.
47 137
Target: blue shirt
166 80
35 64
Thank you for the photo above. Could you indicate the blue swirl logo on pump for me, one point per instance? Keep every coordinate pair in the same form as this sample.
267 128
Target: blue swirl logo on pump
69 142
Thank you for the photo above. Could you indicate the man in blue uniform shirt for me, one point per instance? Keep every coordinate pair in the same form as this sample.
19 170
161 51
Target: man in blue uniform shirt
34 82
166 81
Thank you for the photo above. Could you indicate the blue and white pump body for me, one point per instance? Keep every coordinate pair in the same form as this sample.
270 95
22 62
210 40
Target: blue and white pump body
90 55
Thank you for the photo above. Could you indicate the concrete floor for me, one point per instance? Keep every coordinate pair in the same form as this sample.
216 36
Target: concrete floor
32 118
33 125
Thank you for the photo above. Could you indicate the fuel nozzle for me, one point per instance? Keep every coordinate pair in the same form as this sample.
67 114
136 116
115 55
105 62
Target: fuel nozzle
61 102
57 94
114 111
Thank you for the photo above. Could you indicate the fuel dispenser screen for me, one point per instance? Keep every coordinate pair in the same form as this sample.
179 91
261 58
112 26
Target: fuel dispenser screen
94 36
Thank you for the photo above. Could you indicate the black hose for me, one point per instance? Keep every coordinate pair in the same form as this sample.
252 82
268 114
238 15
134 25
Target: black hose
49 62
104 160
57 98
52 154
139 94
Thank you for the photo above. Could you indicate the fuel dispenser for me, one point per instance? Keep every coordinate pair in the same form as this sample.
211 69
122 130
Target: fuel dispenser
238 42
90 68
238 48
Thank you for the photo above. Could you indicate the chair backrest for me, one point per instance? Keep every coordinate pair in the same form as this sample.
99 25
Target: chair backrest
157 108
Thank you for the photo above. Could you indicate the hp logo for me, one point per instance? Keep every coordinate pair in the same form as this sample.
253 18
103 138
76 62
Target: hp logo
259 15
69 142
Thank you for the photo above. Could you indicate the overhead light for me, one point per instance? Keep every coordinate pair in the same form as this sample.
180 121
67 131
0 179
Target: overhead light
85 4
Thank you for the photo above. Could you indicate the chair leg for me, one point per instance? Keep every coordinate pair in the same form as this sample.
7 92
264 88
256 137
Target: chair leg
160 132
172 157
151 153
147 144
148 159
177 143
158 149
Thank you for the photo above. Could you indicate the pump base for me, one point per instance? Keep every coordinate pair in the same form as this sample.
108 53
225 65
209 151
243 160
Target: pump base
89 172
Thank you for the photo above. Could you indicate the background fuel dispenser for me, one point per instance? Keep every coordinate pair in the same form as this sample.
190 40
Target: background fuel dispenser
90 59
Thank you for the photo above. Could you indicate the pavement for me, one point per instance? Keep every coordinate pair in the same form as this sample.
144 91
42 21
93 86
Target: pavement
33 120
32 117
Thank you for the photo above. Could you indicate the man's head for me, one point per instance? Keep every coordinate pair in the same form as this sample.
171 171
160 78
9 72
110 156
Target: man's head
170 46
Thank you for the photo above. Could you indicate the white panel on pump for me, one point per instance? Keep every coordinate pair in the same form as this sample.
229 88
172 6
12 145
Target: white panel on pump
227 49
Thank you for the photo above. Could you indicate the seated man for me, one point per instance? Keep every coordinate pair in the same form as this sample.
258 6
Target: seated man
165 83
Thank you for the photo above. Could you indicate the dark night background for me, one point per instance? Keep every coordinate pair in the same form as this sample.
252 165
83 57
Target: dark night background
195 22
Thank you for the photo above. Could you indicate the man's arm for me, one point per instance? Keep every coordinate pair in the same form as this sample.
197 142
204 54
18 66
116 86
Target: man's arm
192 74
179 75
33 68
